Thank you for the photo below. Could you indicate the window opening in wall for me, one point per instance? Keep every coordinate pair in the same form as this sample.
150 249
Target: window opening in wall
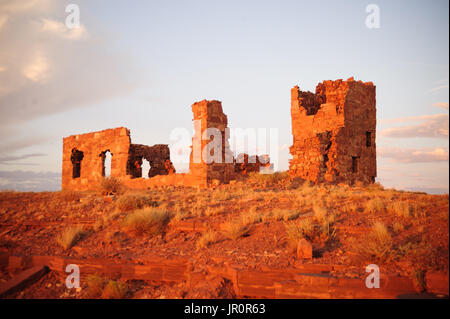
355 164
106 163
368 139
145 168
76 158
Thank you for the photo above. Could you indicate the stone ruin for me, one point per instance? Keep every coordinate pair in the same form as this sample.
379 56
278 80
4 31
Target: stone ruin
84 156
210 123
333 141
334 132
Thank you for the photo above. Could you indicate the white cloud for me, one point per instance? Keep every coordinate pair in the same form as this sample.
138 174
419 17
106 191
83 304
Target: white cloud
437 88
442 105
409 155
3 20
37 70
59 29
434 126
47 69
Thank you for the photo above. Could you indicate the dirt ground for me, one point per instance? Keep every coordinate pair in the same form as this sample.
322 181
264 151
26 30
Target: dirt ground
252 225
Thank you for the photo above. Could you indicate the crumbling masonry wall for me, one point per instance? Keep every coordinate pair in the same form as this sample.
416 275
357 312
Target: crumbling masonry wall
157 155
334 132
209 164
84 158
245 164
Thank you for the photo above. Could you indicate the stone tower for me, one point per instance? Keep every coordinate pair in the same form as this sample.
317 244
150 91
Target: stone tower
211 157
334 132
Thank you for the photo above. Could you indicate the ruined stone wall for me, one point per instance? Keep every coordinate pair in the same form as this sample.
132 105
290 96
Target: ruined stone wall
334 132
87 152
157 155
244 164
208 164
84 159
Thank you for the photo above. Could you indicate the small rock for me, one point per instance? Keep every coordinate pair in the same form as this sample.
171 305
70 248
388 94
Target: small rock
304 249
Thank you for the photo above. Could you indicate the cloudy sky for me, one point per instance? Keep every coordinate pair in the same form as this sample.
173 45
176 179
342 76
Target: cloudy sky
141 64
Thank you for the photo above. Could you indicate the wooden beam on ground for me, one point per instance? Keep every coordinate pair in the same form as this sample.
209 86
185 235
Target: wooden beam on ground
23 280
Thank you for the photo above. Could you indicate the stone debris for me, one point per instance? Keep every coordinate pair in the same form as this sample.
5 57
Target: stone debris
304 249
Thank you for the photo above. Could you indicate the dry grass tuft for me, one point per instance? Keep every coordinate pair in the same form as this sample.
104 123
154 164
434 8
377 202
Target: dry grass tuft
235 229
111 185
146 221
267 179
296 231
115 290
407 209
285 214
209 237
95 286
375 205
129 202
69 237
377 245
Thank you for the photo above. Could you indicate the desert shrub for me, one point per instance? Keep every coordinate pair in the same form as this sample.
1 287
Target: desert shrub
209 237
320 213
111 185
375 205
129 202
398 227
285 214
405 209
421 253
296 231
327 226
376 245
351 207
95 286
146 221
70 236
267 179
251 217
220 195
115 290
235 229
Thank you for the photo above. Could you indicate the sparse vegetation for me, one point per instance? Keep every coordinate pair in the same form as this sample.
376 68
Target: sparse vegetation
406 235
296 231
129 202
111 185
95 286
285 214
115 290
209 237
377 244
69 237
375 205
70 196
235 229
149 221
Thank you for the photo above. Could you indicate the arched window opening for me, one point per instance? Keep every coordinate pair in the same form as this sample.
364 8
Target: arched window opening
106 163
145 168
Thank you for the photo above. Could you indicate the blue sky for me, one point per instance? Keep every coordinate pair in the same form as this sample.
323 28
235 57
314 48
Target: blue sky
141 64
